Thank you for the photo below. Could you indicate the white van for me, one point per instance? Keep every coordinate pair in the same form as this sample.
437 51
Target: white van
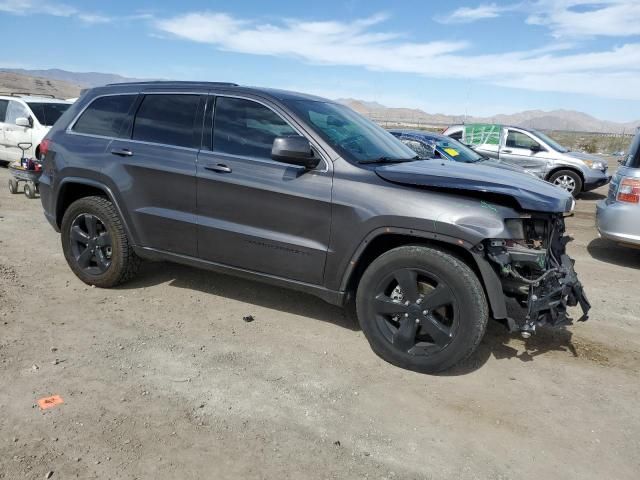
26 120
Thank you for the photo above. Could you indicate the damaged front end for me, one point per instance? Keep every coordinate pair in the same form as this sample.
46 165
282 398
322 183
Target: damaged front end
536 271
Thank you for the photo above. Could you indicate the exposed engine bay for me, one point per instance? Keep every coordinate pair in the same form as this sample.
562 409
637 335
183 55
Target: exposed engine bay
535 270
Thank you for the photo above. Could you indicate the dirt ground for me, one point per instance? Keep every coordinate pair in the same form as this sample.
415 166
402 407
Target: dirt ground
163 379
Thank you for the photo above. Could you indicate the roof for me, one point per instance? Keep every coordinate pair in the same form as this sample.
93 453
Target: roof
272 92
33 98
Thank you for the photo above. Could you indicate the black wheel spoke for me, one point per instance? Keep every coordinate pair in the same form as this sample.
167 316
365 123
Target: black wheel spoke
408 281
92 225
78 235
84 259
386 306
405 337
101 260
440 333
103 240
438 297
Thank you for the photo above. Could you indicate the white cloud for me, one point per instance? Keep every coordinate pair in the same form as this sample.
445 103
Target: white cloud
610 73
31 7
473 14
579 18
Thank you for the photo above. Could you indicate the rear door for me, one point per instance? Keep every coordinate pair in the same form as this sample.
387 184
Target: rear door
522 149
155 169
256 213
14 134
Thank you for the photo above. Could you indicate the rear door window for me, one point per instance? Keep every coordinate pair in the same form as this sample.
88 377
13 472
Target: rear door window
167 119
246 128
422 150
105 116
48 113
3 109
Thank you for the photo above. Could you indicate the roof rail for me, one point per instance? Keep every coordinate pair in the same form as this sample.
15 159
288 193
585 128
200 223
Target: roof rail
176 82
27 94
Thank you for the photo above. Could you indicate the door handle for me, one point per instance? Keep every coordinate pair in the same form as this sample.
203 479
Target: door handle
123 152
219 168
506 151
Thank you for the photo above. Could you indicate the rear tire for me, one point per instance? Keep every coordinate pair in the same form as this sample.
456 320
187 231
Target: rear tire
96 245
393 318
13 186
568 180
29 190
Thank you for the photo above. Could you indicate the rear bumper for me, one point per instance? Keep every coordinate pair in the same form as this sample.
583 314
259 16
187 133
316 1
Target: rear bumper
618 221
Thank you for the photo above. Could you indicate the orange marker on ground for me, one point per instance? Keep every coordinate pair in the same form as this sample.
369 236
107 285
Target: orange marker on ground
49 402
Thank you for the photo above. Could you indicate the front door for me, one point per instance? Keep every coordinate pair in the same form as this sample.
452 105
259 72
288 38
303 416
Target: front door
255 213
523 150
15 134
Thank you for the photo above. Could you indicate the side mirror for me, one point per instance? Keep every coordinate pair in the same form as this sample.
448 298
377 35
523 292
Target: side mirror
294 150
24 122
535 148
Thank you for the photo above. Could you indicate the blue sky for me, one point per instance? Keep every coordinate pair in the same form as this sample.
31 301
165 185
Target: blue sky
481 58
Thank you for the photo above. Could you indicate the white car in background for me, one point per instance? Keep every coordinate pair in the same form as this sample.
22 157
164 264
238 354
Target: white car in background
26 119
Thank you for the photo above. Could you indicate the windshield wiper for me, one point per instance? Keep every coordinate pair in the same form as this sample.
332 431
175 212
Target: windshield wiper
389 160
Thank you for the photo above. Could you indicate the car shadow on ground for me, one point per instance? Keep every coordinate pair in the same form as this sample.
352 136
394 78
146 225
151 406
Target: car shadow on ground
611 252
242 290
497 342
592 196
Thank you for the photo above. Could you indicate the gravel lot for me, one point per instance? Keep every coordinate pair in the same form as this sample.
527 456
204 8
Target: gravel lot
162 378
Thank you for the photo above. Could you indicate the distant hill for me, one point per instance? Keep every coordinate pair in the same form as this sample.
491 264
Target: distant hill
13 82
554 120
84 79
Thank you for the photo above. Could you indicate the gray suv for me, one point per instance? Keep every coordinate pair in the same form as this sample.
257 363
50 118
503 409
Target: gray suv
537 153
304 193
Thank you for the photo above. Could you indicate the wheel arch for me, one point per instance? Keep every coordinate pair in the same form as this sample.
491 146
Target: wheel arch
386 239
573 169
72 189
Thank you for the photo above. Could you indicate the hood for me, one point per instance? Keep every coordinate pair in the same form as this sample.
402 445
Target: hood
585 156
530 192
492 162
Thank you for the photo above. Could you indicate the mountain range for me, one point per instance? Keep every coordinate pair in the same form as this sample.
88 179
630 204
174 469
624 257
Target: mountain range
66 84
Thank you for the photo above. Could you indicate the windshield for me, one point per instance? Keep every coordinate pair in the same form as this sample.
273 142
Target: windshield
458 152
352 135
550 141
48 113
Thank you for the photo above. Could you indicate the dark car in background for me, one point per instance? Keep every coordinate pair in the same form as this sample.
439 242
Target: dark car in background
434 146
305 193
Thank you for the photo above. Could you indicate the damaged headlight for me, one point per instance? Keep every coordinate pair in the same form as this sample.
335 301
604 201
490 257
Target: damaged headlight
535 269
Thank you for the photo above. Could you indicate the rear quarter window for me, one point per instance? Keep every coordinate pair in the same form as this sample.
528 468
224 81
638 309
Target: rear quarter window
105 116
633 157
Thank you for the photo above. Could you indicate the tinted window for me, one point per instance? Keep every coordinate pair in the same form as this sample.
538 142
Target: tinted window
167 119
243 127
14 111
105 116
520 140
3 109
48 113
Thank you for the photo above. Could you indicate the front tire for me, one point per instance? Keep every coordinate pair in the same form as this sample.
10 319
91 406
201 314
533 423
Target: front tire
95 243
568 180
421 308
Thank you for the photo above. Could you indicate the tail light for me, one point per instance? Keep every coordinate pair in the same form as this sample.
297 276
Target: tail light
44 148
629 190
